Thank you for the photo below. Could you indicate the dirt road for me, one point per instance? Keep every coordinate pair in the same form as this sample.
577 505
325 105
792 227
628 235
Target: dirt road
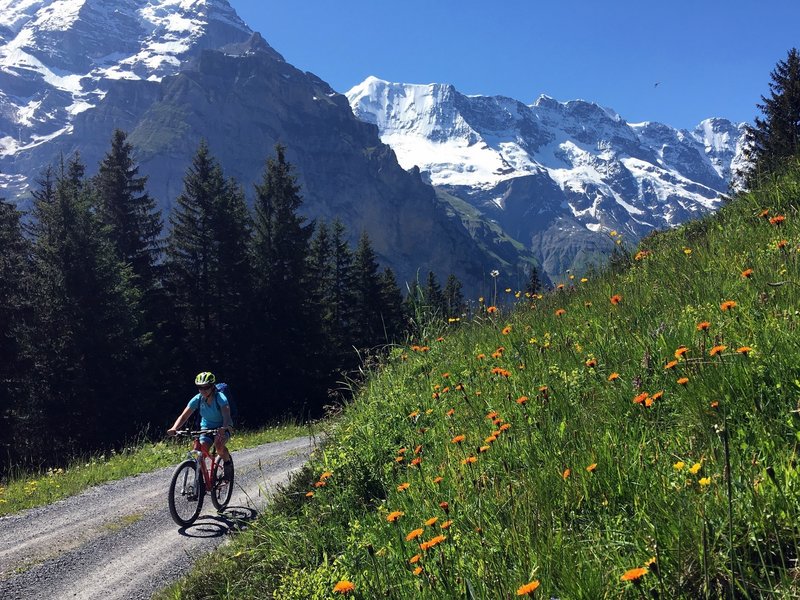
117 540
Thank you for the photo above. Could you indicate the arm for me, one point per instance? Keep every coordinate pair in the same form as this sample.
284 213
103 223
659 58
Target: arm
226 417
182 418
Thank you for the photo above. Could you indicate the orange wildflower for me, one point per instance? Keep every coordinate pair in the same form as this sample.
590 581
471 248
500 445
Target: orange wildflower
616 299
435 541
506 329
657 395
320 484
764 213
491 310
560 312
438 480
445 506
469 460
431 521
613 377
403 487
744 350
683 381
414 534
671 364
414 559
777 220
592 467
566 473
309 494
415 461
451 412
747 273
522 400
483 449
399 459
781 244
481 356
458 439
641 398
491 414
528 588
727 305
634 574
717 350
703 326
591 363
505 426
417 571
344 587
681 351
393 516
446 524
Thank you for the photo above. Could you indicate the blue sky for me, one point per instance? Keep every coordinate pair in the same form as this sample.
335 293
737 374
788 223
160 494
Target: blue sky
709 57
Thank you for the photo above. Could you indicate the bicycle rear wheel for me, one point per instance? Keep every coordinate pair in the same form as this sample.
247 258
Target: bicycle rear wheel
222 490
186 492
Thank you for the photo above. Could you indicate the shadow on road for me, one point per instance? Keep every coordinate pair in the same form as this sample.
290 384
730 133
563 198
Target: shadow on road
235 518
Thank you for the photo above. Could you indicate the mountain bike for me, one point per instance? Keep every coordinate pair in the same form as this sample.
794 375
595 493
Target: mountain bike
201 471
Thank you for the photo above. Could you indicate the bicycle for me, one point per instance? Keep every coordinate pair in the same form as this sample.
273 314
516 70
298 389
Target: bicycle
201 471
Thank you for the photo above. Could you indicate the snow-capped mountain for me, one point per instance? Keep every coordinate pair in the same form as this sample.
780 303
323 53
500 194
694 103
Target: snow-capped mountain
173 73
553 166
58 57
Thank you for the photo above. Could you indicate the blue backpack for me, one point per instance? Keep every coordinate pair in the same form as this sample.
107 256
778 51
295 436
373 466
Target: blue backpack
225 389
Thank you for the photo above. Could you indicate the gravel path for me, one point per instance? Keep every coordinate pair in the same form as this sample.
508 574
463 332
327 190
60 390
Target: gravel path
117 540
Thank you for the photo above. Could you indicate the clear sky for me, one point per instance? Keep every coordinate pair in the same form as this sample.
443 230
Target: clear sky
707 57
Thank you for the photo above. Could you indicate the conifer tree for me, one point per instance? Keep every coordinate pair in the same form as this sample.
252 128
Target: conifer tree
434 298
128 210
85 319
394 318
776 136
291 342
14 313
453 297
534 282
367 297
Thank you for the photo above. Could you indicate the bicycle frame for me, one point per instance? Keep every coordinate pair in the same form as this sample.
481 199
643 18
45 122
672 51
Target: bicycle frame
208 460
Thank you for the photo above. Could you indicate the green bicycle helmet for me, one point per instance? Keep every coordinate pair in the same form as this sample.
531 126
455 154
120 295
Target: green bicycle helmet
205 378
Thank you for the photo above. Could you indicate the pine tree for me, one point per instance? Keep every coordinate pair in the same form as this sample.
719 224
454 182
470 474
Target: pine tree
85 319
534 282
434 298
394 317
128 210
454 305
14 313
776 137
284 305
369 328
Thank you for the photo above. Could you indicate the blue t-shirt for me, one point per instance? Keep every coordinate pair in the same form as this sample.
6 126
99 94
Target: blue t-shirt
210 416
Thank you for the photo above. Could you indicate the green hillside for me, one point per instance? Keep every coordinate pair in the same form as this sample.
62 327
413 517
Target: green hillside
634 435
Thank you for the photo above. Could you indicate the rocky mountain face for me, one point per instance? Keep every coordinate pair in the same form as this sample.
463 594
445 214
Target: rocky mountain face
555 177
173 72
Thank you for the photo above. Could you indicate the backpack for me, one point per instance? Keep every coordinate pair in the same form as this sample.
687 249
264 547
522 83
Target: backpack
225 389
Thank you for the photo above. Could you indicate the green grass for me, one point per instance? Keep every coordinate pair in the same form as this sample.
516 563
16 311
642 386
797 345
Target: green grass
586 452
26 490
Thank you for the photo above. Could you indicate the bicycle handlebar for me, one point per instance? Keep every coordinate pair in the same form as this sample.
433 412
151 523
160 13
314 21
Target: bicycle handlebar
198 432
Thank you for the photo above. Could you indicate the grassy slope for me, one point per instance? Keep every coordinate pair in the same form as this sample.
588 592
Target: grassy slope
697 483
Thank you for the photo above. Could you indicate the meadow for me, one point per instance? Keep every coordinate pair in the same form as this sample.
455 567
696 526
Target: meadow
628 434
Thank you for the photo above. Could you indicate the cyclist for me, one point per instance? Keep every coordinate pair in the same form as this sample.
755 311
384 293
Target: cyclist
215 413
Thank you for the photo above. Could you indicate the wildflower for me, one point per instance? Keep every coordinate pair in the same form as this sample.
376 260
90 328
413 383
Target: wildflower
704 481
431 521
491 414
781 244
393 516
695 468
717 350
325 476
591 363
438 480
483 449
681 351
458 439
584 280
414 534
657 395
613 377
648 402
440 339
490 439
634 574
446 524
435 541
727 305
703 326
403 487
418 449
522 400
671 364
777 220
413 414
450 412
401 451
469 460
506 329
641 398
714 404
641 255
344 587
505 426
320 484
678 466
560 312
494 273
565 474
415 559
764 213
417 571
560 286
616 299
415 461
491 310
508 290
309 494
687 251
445 506
747 273
683 381
744 350
592 467
528 588
399 459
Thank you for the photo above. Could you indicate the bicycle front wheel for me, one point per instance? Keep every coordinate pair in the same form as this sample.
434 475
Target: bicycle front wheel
186 492
223 488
